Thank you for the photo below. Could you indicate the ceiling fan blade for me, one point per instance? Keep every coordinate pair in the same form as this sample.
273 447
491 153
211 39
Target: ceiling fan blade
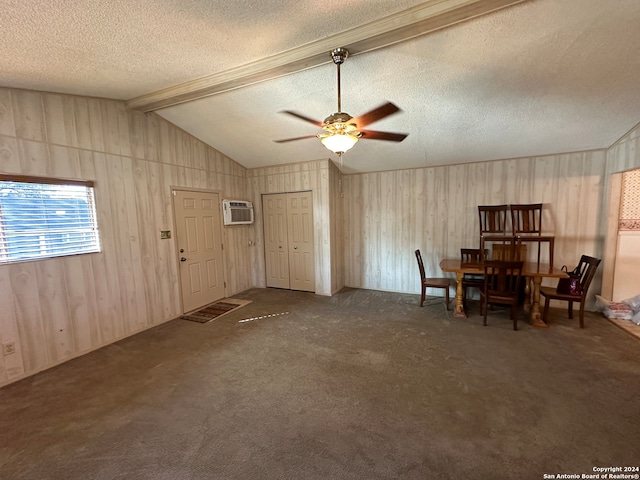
391 136
376 114
296 138
302 117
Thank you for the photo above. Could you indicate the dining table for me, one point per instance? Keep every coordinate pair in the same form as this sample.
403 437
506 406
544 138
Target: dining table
534 272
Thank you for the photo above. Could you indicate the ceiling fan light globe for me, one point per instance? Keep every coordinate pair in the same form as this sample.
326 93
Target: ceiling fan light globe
339 143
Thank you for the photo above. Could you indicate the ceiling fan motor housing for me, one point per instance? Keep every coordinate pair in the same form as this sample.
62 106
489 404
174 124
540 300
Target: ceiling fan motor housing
338 117
339 55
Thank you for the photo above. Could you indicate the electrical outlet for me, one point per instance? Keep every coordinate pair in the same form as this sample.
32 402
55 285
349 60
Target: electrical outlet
8 348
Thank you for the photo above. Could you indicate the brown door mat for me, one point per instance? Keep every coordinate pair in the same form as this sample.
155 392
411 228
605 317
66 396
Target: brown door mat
215 310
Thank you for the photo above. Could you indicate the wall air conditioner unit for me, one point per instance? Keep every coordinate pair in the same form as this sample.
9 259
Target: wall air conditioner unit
237 212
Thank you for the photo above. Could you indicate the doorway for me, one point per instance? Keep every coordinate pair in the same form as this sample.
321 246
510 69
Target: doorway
199 243
289 247
627 262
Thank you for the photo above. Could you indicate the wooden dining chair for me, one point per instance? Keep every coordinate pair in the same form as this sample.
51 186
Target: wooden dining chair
502 286
471 257
587 267
439 282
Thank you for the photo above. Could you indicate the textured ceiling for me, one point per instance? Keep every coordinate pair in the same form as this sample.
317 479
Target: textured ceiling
540 77
123 48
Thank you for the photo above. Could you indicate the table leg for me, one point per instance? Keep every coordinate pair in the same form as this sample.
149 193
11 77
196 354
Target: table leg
459 309
527 294
536 317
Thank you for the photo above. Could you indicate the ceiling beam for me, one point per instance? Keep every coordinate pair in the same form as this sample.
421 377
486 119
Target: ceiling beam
416 21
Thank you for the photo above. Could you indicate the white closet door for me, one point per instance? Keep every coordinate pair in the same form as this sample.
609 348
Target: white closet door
274 209
288 232
300 228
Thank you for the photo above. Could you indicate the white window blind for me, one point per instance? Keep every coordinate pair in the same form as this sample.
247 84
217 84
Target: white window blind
42 218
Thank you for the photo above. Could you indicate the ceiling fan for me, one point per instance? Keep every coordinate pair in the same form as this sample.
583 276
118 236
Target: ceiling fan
341 131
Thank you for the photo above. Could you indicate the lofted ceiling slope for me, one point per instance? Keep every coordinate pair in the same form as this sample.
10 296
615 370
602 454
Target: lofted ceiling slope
535 77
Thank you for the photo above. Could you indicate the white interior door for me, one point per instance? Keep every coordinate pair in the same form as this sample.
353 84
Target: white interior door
300 229
199 237
276 240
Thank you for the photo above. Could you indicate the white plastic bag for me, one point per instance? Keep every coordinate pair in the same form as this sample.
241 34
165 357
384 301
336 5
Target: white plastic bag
634 303
618 310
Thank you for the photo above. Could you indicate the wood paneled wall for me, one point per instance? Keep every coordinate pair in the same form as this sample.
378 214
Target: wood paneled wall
296 177
56 309
623 155
390 214
337 228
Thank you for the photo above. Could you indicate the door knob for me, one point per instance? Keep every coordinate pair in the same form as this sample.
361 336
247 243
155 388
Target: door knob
183 259
295 248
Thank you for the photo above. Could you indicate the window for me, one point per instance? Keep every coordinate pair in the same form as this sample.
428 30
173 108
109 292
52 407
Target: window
43 218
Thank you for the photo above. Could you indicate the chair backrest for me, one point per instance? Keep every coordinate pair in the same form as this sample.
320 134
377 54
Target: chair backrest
472 256
420 265
526 218
502 278
493 219
587 268
505 248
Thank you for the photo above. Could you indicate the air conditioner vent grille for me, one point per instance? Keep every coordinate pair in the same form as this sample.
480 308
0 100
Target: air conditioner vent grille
241 215
237 212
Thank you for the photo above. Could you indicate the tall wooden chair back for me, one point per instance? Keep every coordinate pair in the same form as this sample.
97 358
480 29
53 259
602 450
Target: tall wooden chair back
526 222
526 219
587 268
504 248
493 219
502 286
420 265
471 257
